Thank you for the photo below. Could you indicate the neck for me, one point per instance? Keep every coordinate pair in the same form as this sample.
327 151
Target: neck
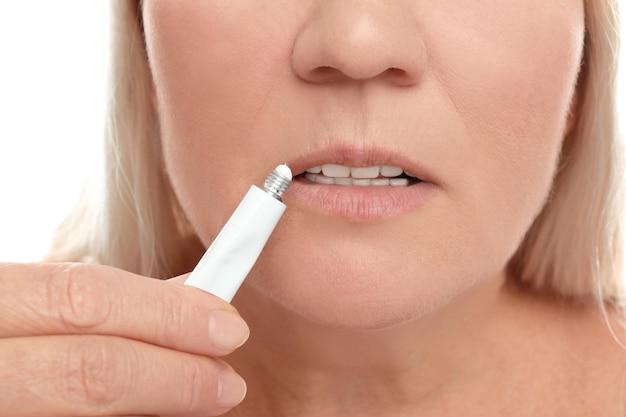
294 366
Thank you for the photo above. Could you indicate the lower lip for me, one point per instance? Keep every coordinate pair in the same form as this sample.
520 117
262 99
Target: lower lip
359 203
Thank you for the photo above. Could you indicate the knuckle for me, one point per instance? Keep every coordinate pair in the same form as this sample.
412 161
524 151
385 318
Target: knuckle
91 374
173 311
77 297
202 387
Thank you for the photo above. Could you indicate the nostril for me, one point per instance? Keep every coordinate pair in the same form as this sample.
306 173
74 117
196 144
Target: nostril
397 72
328 74
400 77
322 71
324 74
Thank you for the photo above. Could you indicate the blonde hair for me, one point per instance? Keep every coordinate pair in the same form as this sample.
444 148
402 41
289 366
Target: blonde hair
135 222
574 247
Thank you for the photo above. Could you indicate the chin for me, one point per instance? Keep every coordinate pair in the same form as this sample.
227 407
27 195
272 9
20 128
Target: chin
352 296
375 274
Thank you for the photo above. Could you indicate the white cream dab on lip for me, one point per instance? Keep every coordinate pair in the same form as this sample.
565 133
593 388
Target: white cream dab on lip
284 171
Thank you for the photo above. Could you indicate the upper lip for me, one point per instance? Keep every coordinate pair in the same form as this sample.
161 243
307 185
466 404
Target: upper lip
359 156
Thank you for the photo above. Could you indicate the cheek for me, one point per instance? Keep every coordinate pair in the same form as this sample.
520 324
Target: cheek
510 76
209 100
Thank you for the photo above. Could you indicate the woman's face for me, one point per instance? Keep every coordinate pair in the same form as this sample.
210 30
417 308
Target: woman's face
470 96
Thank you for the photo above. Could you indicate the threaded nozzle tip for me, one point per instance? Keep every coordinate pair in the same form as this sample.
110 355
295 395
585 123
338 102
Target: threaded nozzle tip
277 181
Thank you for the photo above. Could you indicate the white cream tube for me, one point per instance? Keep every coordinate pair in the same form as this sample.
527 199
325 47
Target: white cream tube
233 253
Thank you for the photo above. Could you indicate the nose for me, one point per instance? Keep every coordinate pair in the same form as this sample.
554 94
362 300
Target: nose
360 40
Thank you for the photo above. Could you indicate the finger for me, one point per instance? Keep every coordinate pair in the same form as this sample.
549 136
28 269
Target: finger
98 376
47 299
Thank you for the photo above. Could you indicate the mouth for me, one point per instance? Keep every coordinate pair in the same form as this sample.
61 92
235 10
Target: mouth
359 184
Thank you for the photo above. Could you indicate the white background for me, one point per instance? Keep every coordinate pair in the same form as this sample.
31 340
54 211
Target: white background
53 63
53 69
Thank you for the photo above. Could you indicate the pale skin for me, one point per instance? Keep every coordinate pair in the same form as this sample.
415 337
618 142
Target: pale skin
354 308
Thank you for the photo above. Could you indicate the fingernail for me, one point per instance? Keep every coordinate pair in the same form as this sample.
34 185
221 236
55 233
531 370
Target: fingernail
231 389
227 330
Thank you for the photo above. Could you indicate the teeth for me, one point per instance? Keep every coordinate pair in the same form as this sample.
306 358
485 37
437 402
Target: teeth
340 171
322 179
331 170
375 176
389 171
343 181
380 182
359 182
399 182
368 172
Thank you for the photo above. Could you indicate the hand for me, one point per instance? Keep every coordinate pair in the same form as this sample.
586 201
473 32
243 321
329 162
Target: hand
87 340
